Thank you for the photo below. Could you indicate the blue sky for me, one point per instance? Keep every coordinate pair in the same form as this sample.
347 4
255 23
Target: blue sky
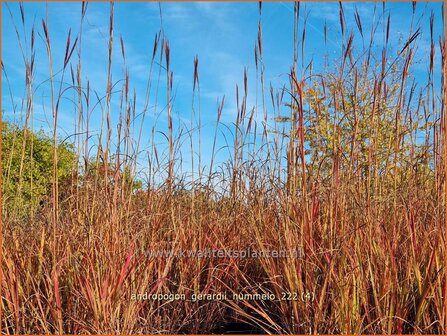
223 35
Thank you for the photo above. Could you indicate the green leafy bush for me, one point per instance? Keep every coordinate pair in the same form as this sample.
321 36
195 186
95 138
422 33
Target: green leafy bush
27 167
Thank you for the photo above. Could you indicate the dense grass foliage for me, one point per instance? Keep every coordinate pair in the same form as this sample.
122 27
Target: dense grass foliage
351 172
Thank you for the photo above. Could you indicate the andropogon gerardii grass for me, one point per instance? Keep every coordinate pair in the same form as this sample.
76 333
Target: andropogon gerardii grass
345 164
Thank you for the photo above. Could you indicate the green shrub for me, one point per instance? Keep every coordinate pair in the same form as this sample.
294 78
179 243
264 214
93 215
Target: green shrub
27 167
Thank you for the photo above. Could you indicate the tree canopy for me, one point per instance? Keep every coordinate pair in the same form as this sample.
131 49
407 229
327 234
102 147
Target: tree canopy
27 167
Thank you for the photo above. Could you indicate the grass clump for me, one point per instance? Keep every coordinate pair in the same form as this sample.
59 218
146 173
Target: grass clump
351 173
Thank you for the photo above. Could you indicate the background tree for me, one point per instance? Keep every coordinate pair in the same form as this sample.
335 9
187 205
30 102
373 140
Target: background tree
27 168
363 122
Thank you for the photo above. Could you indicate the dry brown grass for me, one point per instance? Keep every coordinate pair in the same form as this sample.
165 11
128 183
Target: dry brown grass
339 176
